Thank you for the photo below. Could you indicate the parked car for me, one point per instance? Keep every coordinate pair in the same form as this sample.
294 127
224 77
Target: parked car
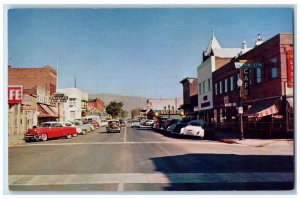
176 128
95 124
78 130
135 123
49 130
169 122
197 128
85 128
149 123
113 126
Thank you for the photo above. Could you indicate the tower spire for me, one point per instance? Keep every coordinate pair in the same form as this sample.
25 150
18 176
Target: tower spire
213 32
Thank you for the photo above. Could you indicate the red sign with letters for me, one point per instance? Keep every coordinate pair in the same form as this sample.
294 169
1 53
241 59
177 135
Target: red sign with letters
290 68
15 94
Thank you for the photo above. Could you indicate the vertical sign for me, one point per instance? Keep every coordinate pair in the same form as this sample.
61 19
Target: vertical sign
290 68
15 94
244 75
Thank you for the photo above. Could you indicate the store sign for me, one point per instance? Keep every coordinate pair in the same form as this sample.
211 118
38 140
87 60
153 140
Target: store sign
290 68
15 94
58 98
244 73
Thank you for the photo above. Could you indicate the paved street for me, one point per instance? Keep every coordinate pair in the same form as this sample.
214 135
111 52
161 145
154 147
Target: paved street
143 160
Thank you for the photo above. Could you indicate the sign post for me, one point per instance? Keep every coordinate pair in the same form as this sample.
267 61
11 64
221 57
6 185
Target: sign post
58 98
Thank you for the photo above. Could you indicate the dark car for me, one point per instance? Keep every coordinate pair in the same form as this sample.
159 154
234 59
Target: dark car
175 128
170 122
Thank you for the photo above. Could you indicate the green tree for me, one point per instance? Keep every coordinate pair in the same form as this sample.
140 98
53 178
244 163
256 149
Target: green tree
124 114
114 109
135 112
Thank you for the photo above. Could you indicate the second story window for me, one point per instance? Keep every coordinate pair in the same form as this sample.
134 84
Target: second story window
258 75
203 87
231 83
220 87
208 85
274 68
225 85
200 89
216 88
72 102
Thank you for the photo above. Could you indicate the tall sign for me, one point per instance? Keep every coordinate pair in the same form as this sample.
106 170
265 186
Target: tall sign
15 94
290 68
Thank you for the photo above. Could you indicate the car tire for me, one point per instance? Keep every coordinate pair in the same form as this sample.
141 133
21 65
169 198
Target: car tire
44 137
68 136
83 132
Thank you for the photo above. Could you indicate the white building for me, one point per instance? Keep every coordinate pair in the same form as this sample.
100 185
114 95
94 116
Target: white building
75 104
214 57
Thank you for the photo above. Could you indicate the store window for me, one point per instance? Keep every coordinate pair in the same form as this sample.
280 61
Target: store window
274 68
258 75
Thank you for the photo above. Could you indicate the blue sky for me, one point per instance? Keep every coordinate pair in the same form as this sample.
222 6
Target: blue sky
133 52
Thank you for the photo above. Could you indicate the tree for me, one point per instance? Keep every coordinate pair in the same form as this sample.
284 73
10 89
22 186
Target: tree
135 112
114 109
124 114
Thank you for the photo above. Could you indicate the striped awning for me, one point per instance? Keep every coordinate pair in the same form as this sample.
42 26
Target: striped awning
47 111
263 108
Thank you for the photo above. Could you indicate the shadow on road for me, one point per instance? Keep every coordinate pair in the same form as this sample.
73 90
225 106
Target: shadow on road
215 164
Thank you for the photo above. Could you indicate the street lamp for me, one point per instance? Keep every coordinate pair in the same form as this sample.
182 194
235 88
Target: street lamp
240 84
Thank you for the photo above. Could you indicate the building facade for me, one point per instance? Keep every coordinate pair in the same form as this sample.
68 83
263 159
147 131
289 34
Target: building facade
40 84
95 107
214 57
190 95
75 105
266 94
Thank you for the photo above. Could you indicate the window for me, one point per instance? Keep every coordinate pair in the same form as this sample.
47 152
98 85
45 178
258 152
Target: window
274 68
203 87
258 75
208 84
216 88
225 85
200 88
231 83
72 102
220 87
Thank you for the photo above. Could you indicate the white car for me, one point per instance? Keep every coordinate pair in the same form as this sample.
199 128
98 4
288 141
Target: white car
135 123
78 130
194 128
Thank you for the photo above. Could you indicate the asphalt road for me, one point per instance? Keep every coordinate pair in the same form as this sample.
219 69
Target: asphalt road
142 160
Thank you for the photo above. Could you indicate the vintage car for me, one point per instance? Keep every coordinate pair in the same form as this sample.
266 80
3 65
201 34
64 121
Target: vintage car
113 126
78 130
85 128
49 130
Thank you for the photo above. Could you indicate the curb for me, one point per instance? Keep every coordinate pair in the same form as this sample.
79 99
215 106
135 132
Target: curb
227 141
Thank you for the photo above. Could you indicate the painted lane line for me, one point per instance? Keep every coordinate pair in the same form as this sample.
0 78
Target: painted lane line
122 178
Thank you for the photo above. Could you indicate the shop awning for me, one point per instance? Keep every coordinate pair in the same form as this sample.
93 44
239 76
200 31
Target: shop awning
290 104
263 108
45 111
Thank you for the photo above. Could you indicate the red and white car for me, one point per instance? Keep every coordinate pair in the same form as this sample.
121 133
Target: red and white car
49 130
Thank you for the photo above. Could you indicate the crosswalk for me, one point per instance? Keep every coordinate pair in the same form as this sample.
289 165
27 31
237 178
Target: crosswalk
150 178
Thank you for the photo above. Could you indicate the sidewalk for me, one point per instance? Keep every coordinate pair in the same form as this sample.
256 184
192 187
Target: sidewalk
233 138
14 140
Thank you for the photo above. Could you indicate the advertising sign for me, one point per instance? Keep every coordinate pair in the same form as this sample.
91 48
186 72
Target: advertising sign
58 98
15 94
290 68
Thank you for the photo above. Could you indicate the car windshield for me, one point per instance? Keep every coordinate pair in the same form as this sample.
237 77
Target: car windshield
197 123
45 125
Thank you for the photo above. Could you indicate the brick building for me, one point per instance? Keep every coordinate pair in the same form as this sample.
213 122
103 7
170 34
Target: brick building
190 95
95 106
267 92
40 83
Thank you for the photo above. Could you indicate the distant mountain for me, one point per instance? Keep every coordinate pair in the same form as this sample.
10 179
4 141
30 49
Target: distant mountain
130 102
